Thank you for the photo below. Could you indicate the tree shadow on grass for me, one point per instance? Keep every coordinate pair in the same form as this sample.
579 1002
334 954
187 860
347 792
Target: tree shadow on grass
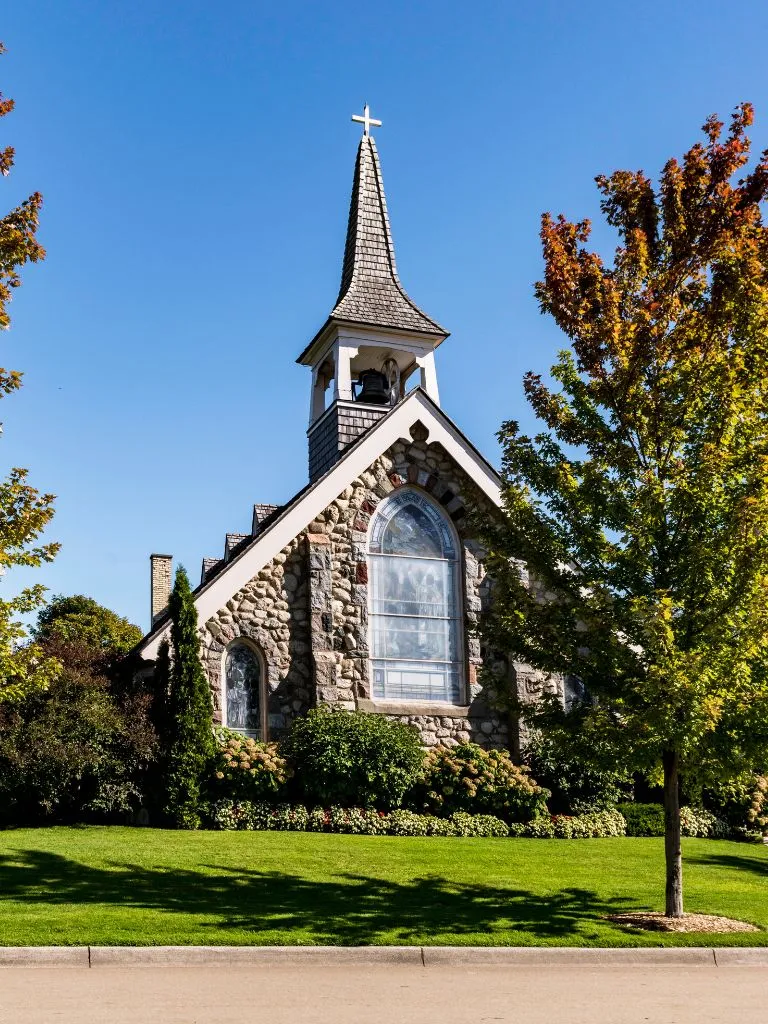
346 908
749 861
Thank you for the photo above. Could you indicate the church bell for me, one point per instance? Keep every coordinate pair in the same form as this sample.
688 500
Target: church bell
374 388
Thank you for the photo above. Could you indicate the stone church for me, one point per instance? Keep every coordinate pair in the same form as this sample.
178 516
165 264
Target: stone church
365 589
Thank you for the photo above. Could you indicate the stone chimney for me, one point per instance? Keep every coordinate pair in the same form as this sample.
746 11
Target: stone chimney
160 584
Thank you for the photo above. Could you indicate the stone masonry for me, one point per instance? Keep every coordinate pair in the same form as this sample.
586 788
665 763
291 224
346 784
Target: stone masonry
307 611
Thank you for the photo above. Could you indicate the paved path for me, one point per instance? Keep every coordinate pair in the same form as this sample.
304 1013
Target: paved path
384 994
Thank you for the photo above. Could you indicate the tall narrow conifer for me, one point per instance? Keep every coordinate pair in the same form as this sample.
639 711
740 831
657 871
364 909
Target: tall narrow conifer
189 726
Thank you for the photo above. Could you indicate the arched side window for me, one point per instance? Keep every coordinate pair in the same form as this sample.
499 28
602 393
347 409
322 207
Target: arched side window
415 606
242 685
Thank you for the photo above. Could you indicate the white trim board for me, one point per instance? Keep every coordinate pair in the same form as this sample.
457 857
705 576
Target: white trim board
416 407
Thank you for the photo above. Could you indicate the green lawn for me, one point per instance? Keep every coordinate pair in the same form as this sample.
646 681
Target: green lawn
124 886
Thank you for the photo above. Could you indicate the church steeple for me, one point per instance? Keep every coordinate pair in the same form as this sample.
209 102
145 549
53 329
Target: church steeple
376 336
370 291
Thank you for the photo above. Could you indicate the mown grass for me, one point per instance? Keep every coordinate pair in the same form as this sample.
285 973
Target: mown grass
123 886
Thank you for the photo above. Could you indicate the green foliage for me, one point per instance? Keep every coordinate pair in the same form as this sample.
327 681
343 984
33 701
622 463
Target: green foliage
468 778
24 512
699 823
592 825
245 769
191 746
648 820
741 802
352 758
161 697
566 762
229 815
643 502
643 819
79 619
75 751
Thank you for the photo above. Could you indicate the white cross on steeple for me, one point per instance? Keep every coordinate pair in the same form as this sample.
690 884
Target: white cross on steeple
366 120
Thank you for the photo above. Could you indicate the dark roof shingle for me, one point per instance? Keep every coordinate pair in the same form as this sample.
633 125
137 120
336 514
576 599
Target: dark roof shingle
370 289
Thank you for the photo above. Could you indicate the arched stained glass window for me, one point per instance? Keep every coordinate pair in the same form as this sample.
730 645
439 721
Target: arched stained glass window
242 689
414 602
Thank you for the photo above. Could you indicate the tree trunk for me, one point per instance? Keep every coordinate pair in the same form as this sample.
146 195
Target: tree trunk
672 852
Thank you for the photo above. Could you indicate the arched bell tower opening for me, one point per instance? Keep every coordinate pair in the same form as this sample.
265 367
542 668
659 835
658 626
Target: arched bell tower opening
377 344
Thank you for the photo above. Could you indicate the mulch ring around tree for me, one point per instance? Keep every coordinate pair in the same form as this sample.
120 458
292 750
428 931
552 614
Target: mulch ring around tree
656 922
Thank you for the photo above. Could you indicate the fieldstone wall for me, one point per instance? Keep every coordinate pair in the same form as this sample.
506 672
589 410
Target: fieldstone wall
345 523
307 611
271 610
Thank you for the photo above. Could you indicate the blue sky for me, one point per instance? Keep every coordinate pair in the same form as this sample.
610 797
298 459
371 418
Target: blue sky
196 161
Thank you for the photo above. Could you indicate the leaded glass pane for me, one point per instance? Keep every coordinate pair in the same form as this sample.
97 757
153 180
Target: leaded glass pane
404 680
410 524
242 683
412 586
423 638
414 602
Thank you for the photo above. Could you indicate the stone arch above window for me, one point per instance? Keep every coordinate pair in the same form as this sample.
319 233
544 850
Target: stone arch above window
243 697
414 601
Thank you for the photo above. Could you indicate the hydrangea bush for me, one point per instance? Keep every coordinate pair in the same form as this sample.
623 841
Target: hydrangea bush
474 780
245 769
696 822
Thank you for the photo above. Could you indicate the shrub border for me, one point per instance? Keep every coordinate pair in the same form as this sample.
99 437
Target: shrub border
242 815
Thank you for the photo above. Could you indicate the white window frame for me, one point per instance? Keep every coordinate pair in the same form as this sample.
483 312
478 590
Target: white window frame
263 689
458 595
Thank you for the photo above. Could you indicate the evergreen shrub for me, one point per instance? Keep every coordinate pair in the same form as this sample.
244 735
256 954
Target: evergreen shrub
477 781
643 819
578 779
191 746
352 759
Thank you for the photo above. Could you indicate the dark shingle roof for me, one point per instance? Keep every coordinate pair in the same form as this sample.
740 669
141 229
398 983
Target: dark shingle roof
233 542
370 289
261 513
210 567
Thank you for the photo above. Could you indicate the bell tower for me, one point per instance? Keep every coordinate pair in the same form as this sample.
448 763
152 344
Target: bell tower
376 341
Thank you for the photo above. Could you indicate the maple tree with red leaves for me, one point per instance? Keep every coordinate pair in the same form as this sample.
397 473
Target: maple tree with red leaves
641 509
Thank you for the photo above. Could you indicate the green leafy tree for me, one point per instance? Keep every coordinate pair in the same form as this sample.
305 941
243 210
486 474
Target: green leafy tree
641 510
79 619
24 512
79 750
190 739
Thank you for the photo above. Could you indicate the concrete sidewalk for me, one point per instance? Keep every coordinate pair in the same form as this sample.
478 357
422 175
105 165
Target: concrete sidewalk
417 956
386 993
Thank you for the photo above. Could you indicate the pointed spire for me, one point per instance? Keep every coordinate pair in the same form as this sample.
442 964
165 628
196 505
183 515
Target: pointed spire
370 291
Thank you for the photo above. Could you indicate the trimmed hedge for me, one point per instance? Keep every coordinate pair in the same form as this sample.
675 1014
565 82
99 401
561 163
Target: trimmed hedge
244 815
643 819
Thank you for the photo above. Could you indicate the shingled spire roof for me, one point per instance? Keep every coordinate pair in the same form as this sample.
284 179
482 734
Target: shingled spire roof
370 291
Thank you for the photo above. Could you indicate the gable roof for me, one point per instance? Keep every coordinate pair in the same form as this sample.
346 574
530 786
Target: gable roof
218 587
370 291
